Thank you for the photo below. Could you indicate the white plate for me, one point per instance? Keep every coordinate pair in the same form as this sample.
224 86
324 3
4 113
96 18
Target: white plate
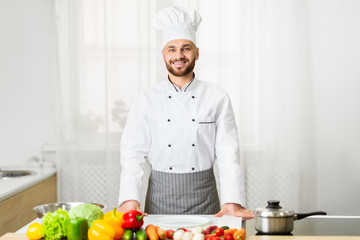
181 221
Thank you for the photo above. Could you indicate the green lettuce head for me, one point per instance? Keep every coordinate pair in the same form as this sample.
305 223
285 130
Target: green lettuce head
89 211
54 224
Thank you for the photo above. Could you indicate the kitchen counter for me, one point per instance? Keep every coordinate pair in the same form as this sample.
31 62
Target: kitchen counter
300 238
22 236
225 220
12 186
18 195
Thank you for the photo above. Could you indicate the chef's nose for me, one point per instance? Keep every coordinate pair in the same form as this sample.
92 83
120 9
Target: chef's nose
179 54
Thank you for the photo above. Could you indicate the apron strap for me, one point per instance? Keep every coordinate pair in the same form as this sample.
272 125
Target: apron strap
182 193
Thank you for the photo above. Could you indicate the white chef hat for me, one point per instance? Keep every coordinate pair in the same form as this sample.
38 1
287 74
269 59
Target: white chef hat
177 23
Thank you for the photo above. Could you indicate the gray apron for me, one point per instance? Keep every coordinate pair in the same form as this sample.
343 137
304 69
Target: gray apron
182 193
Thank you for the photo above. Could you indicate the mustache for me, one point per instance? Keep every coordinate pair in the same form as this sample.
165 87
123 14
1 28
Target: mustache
179 59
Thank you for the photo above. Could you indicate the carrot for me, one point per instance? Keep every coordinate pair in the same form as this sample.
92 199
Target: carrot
151 232
240 234
161 233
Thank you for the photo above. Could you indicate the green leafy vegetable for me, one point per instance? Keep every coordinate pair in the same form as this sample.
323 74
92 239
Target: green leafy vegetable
88 211
54 224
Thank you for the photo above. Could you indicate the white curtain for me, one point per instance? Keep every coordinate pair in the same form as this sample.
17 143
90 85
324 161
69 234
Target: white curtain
256 50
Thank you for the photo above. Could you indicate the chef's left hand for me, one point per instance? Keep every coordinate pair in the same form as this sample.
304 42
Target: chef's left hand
236 210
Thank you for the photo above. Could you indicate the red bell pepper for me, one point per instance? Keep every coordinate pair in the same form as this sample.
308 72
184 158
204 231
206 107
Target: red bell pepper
133 220
209 230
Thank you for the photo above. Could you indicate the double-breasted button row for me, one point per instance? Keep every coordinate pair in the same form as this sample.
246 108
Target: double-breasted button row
170 168
193 120
169 120
191 96
169 145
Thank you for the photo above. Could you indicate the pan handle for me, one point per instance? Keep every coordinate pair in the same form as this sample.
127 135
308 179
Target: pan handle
299 216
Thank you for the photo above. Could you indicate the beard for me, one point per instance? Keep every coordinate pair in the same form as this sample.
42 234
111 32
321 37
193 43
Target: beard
183 72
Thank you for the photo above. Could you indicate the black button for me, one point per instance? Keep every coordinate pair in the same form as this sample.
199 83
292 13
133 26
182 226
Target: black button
168 120
193 96
170 168
193 169
193 145
169 96
193 120
169 145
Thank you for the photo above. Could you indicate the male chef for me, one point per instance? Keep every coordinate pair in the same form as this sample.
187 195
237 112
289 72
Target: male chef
181 125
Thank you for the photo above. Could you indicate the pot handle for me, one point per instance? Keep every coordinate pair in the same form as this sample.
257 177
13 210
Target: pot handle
299 216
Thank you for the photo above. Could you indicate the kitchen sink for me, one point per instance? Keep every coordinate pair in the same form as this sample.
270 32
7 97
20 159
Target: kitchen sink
14 173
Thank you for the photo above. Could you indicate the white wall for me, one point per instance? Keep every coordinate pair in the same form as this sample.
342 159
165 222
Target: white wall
27 78
27 94
335 58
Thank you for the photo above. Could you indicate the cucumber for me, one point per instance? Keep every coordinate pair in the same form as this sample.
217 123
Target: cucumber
128 234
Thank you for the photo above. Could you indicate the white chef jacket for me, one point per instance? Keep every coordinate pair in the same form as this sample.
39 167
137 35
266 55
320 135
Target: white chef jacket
181 132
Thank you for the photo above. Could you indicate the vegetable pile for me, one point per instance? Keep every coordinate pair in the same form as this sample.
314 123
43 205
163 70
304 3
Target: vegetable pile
62 224
87 221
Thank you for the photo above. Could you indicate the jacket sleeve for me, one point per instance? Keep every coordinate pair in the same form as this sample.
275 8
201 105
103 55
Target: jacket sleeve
134 148
231 172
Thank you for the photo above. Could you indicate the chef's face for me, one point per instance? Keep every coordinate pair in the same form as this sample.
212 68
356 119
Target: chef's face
179 56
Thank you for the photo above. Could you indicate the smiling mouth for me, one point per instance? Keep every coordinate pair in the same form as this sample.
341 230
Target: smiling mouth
178 64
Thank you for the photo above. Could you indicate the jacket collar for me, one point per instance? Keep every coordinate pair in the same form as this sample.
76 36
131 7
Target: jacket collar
188 87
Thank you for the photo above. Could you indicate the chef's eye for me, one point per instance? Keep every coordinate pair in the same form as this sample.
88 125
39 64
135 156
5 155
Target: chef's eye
171 50
187 49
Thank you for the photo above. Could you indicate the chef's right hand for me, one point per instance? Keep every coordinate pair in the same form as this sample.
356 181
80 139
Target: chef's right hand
129 205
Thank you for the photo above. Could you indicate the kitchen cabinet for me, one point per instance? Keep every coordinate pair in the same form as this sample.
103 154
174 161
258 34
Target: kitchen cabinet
16 210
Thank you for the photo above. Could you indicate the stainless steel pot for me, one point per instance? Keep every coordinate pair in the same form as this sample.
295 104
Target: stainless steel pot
273 219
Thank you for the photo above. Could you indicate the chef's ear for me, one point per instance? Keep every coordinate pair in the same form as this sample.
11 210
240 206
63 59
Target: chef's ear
197 54
163 54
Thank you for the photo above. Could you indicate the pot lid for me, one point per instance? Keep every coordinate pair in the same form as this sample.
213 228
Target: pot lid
273 209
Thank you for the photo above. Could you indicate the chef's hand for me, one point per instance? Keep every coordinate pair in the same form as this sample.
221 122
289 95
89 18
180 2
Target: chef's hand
129 205
235 210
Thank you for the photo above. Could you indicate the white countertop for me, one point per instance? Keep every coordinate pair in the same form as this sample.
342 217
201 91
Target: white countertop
11 186
226 220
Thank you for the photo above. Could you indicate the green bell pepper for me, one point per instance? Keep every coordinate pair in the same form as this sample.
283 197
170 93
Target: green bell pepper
76 228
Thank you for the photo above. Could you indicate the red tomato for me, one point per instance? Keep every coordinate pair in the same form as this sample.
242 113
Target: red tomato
219 232
213 237
228 237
